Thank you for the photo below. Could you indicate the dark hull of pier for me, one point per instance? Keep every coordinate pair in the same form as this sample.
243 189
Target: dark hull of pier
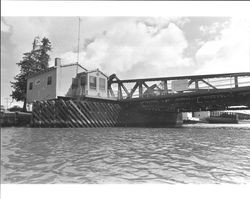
17 119
90 112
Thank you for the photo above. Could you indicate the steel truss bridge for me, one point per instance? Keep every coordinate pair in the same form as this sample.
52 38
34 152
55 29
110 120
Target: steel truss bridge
184 93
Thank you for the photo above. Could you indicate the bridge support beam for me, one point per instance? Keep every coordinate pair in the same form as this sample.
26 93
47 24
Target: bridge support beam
196 84
236 82
140 90
165 87
119 91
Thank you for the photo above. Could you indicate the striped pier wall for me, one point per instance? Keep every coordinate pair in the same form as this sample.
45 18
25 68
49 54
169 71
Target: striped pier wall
98 113
75 113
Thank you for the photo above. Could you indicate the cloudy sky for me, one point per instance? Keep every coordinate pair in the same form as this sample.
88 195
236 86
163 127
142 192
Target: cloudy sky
131 47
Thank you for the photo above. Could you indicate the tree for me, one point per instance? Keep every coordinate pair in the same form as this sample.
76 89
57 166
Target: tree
43 55
32 62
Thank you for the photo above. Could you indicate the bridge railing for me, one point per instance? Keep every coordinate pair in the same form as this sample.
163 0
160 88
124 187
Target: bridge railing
149 87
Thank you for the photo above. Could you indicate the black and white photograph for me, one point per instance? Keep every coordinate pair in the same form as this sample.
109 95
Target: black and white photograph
157 99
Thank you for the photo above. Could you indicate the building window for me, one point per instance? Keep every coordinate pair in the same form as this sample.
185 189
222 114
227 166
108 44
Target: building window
49 80
102 84
92 82
31 86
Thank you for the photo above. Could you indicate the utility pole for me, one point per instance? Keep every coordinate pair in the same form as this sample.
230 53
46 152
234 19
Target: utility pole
78 42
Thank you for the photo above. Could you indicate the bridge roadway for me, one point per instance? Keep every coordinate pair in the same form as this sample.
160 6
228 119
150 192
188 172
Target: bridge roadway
184 93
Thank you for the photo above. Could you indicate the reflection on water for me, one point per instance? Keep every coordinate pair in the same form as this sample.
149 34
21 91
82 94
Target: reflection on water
125 155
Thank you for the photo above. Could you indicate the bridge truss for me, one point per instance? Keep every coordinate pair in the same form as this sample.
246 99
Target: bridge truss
184 93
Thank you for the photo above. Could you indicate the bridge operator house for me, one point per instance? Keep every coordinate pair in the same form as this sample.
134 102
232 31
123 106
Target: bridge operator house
70 80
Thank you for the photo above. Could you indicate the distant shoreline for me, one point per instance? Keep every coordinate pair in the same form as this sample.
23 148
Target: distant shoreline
243 124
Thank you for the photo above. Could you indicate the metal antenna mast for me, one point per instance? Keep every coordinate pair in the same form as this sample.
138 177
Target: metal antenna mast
78 46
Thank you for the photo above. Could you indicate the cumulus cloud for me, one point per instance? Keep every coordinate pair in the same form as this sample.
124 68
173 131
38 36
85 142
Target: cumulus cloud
228 52
133 45
214 28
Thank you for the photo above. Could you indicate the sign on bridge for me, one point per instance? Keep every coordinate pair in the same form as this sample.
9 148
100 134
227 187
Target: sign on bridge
179 85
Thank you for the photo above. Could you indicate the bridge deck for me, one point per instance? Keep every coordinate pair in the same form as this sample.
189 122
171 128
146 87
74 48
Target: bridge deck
199 93
193 77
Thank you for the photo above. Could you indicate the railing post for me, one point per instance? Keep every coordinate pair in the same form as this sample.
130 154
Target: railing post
140 89
119 91
236 84
165 86
196 84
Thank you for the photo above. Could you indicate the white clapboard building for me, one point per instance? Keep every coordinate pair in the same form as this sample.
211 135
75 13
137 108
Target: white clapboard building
71 80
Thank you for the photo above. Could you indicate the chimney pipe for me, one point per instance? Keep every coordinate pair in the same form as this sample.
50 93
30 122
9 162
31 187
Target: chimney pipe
57 62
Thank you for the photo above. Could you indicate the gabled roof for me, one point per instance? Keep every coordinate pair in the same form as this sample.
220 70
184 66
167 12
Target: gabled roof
97 70
73 64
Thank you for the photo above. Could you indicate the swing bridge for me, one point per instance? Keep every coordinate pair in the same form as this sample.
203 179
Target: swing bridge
184 93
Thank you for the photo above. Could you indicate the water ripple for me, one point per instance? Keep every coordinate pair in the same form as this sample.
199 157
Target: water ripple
125 155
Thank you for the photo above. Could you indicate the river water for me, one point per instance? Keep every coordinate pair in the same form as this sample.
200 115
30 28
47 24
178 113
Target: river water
191 154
